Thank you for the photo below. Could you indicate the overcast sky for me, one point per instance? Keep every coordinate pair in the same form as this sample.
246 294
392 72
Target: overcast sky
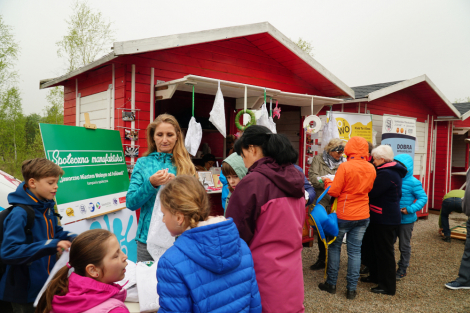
360 41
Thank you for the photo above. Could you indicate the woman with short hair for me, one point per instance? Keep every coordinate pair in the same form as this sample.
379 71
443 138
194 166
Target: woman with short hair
268 207
323 164
385 219
166 157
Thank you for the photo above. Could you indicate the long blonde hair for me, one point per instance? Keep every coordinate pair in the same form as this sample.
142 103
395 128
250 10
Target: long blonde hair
181 158
186 195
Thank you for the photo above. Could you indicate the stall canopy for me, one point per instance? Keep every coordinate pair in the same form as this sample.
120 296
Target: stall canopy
420 86
255 94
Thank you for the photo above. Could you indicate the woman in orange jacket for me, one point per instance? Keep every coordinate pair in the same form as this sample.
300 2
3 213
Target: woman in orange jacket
352 183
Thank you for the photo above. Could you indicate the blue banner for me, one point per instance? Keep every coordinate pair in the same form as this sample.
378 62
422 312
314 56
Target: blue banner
401 144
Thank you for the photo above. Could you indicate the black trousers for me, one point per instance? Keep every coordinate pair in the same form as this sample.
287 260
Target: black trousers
367 247
381 261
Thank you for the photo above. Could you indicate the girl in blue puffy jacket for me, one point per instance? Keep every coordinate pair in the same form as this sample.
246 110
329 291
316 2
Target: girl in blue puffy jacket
412 190
209 268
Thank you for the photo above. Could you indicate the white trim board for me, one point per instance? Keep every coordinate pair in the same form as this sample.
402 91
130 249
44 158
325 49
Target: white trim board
185 39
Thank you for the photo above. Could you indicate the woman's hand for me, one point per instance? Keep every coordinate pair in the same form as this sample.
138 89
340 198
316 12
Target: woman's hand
161 178
404 211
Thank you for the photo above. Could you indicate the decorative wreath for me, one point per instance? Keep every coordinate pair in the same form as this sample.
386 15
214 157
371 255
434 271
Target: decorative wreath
251 122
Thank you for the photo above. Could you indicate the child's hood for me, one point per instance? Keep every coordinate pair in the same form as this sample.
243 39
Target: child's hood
215 245
85 293
236 162
23 195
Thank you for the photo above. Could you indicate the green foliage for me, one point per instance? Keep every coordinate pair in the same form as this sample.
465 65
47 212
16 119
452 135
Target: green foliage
54 113
88 35
462 100
305 46
9 51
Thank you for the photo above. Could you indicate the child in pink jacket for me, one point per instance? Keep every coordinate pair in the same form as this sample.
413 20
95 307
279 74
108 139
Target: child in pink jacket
98 263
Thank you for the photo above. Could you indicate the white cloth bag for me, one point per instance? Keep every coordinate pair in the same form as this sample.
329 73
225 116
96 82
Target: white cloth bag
266 120
147 287
159 238
61 262
217 115
193 136
330 131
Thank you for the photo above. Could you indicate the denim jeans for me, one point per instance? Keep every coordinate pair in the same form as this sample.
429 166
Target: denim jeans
355 231
449 205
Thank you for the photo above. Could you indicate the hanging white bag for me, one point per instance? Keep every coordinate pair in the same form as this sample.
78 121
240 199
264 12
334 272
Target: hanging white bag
61 262
217 115
159 238
147 287
193 136
330 131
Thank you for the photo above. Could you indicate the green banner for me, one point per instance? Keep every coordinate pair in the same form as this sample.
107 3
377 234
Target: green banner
95 179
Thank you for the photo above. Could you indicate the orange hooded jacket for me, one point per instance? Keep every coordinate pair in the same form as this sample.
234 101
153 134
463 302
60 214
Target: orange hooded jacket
353 181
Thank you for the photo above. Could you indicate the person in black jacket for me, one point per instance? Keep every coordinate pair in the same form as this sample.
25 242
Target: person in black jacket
385 218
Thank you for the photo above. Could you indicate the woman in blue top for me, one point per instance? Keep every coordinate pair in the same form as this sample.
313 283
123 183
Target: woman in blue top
166 157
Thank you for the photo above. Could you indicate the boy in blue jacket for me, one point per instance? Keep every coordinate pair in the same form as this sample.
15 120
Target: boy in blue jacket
412 190
30 258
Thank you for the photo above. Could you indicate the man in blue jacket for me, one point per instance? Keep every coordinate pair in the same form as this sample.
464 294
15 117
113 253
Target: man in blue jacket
29 258
412 190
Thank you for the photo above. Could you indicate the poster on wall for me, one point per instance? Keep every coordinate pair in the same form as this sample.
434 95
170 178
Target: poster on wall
399 133
95 179
352 124
122 223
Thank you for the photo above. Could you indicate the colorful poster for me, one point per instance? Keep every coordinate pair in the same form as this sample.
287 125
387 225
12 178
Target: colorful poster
399 133
122 223
352 124
95 180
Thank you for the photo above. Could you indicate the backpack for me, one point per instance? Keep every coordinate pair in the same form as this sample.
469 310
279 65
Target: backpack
29 225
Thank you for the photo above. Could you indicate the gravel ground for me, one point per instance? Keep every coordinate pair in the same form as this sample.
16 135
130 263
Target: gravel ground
433 263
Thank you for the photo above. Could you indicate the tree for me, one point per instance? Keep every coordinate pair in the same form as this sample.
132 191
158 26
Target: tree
462 100
88 35
9 51
54 113
305 46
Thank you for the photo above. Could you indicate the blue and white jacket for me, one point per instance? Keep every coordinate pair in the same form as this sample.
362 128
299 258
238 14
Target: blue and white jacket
412 190
29 260
141 193
209 269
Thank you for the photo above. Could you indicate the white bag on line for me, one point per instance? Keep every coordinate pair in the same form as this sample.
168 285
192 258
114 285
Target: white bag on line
61 262
217 115
193 136
266 120
159 238
330 131
147 287
132 294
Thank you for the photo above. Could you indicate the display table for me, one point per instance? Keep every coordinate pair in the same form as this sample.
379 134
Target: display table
133 307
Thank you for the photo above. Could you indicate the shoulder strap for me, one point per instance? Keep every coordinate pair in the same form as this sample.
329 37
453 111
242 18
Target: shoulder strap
29 216
322 195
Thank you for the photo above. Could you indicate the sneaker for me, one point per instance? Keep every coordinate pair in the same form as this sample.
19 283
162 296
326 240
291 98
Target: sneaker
454 285
319 265
327 287
400 276
446 239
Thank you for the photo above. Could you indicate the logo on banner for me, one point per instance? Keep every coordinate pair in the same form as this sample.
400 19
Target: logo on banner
122 200
91 207
82 209
115 201
388 124
98 205
344 128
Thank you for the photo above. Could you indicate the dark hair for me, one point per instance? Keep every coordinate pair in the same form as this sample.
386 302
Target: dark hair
208 157
371 146
275 146
87 248
40 168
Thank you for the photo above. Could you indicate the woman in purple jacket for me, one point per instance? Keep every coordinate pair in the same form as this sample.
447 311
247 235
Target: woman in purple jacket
268 207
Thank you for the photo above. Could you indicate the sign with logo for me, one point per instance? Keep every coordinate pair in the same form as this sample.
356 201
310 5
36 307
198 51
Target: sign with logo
352 124
399 133
95 170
